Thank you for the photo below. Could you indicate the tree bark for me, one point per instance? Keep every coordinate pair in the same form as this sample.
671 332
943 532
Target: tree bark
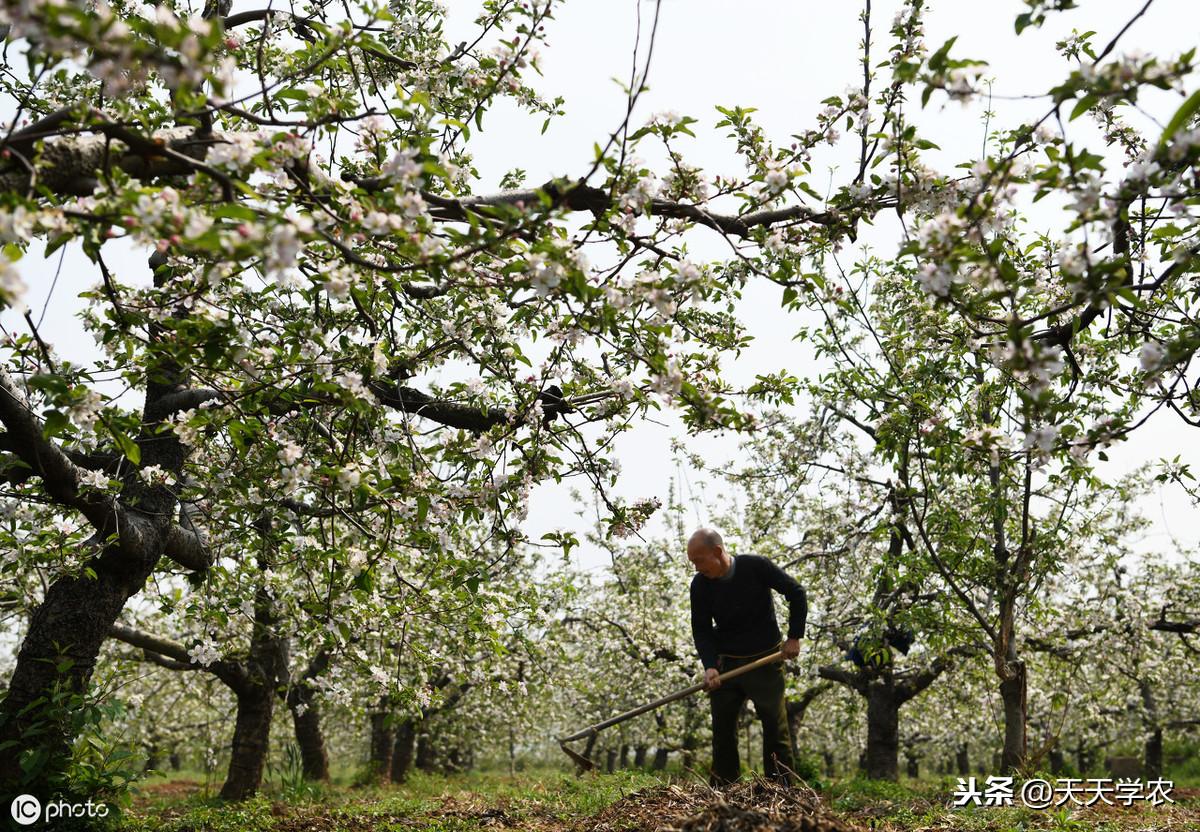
1153 768
883 732
1012 694
962 759
404 750
251 735
426 753
65 634
914 768
660 759
309 738
382 740
639 756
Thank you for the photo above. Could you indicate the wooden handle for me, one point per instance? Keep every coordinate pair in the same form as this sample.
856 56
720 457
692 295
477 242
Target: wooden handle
679 694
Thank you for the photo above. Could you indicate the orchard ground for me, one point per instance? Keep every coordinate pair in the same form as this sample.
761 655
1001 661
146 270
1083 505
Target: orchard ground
554 801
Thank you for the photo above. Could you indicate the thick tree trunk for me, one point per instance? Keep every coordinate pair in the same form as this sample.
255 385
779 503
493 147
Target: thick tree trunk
828 757
426 753
1083 758
913 768
306 721
264 670
660 759
883 733
1056 761
624 755
1012 694
176 761
382 741
639 756
65 632
404 750
962 759
610 760
1153 768
251 734
310 739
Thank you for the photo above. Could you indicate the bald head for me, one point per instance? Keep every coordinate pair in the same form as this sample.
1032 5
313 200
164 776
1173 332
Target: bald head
706 551
709 538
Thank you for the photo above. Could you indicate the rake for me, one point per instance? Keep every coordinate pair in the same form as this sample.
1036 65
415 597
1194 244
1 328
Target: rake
591 731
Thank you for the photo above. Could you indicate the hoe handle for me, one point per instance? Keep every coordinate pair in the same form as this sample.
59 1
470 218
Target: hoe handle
679 694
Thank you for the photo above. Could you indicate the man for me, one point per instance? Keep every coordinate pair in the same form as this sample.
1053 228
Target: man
735 593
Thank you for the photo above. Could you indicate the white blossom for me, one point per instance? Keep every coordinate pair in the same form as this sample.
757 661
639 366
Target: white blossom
204 653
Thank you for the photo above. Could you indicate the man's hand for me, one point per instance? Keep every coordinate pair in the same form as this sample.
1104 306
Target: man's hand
712 678
791 648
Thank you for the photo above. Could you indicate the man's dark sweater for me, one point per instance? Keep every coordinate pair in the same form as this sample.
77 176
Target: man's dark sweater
740 603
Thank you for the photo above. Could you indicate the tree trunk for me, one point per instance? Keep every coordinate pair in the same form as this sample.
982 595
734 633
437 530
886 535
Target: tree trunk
176 761
660 759
828 757
1056 761
962 759
265 669
610 760
913 768
306 721
426 753
251 734
404 749
624 755
1153 768
153 757
65 631
639 756
883 733
379 765
1012 694
314 759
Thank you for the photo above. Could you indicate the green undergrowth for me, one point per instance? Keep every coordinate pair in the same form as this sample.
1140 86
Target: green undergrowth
557 801
436 803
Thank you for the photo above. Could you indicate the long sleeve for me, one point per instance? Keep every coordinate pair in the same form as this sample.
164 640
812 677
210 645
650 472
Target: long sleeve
702 628
786 585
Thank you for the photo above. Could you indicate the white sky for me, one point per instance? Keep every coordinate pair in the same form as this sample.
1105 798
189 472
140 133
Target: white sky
782 57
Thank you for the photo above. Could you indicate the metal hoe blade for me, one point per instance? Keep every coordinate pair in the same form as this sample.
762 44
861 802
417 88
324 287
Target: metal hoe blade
583 762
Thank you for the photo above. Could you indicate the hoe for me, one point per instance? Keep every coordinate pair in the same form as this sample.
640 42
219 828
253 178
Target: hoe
591 731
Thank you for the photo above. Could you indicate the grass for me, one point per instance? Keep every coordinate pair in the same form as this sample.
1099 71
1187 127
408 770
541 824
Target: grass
556 801
441 803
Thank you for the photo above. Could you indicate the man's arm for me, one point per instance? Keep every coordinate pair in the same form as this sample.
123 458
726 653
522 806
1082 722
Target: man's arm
702 628
786 585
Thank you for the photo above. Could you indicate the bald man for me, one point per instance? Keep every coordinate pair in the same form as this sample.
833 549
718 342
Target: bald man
733 623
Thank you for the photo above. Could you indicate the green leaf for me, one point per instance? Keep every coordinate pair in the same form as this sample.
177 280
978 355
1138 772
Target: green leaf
1086 103
127 446
1182 117
56 423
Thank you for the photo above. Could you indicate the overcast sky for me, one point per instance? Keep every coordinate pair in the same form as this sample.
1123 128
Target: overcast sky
782 57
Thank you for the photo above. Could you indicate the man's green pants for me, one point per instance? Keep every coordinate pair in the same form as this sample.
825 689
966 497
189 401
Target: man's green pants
764 687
